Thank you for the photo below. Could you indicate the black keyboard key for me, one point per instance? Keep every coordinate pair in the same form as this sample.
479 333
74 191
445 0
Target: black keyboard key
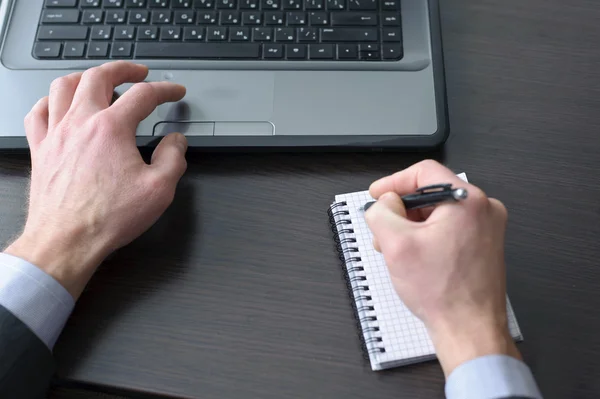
307 34
122 50
296 18
353 19
198 50
292 4
272 51
62 32
392 51
193 33
285 35
159 17
318 18
270 4
125 33
217 34
207 18
274 18
204 4
227 4
135 3
368 47
295 51
101 32
370 55
230 18
92 16
262 34
181 3
320 51
334 5
184 17
315 4
113 3
90 3
98 50
252 18
58 16
390 5
170 33
390 19
60 3
239 34
139 17
349 35
74 50
363 4
47 49
116 16
158 3
347 52
391 35
249 4
147 33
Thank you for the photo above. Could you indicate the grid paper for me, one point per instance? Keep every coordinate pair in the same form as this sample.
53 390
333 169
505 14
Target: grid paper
402 334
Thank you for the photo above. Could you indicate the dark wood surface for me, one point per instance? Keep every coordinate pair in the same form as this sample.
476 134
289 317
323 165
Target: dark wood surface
237 291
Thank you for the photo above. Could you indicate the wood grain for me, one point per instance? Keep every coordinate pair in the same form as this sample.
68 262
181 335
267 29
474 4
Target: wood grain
237 291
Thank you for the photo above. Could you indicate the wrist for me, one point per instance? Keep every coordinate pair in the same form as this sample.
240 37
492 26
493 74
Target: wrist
61 255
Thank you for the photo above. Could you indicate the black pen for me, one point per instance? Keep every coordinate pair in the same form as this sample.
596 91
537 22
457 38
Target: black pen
429 196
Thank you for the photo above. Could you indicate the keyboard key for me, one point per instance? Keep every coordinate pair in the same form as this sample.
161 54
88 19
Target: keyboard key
391 19
135 3
170 33
158 3
249 4
368 47
139 17
295 51
353 19
98 50
193 33
307 34
60 16
318 18
347 52
101 32
363 4
113 3
61 32
216 34
184 17
122 50
262 34
320 51
274 18
47 49
390 5
147 32
181 3
92 16
116 17
160 17
292 4
90 3
391 35
198 50
392 51
370 55
252 18
74 50
315 4
239 34
285 35
336 5
204 4
296 18
227 4
60 3
349 35
125 33
272 51
270 4
230 18
207 18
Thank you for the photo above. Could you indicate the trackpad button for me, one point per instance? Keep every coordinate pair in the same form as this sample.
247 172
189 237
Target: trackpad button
186 128
244 129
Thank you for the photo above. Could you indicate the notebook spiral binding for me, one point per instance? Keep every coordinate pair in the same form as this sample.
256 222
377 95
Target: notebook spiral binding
356 280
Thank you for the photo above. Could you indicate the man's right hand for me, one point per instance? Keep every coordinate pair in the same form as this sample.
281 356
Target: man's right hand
447 264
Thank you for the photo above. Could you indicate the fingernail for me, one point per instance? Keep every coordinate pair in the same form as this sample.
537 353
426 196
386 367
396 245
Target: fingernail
182 142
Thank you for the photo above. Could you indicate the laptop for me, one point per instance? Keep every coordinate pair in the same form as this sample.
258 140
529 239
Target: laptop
283 74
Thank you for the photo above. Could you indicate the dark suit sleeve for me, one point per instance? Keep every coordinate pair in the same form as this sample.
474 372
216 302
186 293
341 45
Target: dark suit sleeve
26 363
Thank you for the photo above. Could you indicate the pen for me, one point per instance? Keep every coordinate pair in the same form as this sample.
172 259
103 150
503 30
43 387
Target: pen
428 196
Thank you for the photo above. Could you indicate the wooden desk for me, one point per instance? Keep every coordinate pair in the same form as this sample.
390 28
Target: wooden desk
237 291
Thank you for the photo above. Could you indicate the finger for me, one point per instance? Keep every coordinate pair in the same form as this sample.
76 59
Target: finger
137 103
62 91
376 245
168 159
36 123
387 217
98 84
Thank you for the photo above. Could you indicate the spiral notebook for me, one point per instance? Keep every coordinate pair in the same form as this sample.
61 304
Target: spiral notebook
391 335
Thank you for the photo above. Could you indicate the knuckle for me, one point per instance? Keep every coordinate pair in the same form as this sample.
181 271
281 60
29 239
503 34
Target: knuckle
96 73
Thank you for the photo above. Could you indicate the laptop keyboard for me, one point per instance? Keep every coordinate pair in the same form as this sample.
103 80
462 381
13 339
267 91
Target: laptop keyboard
293 30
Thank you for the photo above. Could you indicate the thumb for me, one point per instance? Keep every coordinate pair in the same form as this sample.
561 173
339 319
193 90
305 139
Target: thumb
387 218
168 157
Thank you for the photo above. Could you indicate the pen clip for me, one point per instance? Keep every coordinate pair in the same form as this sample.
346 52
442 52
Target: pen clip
434 188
